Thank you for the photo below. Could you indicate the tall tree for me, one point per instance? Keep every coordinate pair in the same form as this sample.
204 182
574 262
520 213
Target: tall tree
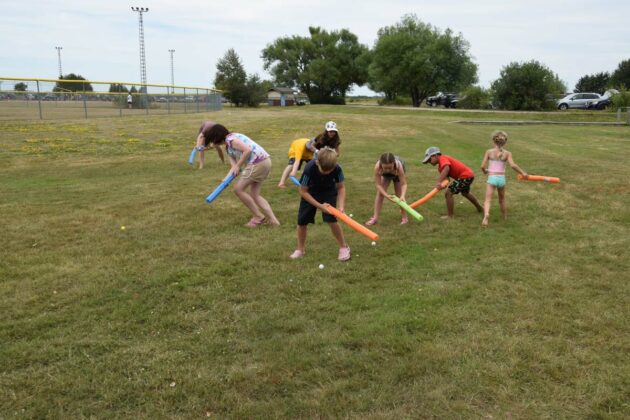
61 86
231 78
597 83
621 76
324 65
415 58
527 86
20 87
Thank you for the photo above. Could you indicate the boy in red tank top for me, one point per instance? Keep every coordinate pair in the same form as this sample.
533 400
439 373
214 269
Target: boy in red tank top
462 178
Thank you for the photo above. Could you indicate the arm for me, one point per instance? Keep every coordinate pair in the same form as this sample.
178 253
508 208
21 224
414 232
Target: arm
246 151
308 197
442 177
514 166
403 183
200 146
341 196
296 164
484 163
377 182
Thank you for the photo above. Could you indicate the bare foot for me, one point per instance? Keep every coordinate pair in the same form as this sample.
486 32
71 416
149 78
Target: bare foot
484 222
281 186
446 217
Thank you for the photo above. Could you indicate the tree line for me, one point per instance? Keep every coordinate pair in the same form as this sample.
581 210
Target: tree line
409 61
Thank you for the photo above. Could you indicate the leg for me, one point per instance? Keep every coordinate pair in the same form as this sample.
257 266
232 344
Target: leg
243 195
473 200
378 203
284 176
338 234
201 159
262 203
450 203
301 237
403 214
486 204
502 203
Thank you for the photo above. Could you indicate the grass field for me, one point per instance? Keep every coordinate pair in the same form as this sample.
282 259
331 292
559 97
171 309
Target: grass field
187 313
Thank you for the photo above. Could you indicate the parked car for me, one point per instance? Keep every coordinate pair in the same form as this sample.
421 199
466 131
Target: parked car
600 104
577 100
449 100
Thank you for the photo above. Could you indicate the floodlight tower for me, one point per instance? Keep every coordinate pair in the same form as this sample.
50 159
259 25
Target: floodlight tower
172 72
59 60
143 61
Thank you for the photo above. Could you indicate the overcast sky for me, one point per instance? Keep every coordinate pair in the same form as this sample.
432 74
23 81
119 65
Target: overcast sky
100 38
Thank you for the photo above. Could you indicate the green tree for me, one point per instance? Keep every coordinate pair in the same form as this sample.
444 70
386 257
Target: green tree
20 87
62 86
621 76
324 65
597 83
475 97
231 78
527 86
256 90
117 88
417 59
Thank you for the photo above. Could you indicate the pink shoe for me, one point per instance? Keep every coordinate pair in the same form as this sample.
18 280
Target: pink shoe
404 220
371 222
296 254
255 223
344 254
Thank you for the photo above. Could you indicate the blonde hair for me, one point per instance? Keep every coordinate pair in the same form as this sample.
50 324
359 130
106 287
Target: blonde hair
499 138
327 158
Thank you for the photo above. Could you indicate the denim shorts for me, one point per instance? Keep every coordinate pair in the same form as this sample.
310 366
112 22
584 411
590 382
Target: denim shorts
496 180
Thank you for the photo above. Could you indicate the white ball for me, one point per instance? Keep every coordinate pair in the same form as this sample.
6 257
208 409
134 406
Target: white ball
373 243
321 266
350 214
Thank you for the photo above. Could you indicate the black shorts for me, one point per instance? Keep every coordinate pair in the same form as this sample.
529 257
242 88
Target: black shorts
461 185
292 161
306 212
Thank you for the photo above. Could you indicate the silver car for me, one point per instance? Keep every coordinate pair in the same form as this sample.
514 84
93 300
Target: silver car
577 100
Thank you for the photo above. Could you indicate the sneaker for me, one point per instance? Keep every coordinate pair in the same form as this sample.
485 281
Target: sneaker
371 222
404 220
344 254
296 254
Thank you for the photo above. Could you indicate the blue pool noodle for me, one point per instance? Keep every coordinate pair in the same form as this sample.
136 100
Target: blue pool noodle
191 159
295 181
220 188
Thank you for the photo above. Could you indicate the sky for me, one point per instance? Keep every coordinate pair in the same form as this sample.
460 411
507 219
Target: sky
100 41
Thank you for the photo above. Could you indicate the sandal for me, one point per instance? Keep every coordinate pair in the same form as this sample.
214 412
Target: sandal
373 220
255 223
296 254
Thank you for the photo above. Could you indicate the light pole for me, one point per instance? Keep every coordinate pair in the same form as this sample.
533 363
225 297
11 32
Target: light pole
172 72
143 61
59 60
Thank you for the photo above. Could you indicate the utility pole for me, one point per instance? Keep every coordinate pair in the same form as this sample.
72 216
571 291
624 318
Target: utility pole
59 60
172 72
143 61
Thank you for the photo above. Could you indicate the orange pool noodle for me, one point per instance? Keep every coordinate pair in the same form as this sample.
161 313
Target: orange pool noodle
551 179
352 223
428 196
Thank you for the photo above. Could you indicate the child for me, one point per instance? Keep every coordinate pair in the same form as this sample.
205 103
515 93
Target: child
322 182
462 175
387 169
298 153
493 165
241 151
201 143
329 138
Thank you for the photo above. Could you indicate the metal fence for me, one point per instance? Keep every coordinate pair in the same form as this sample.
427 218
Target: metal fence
32 98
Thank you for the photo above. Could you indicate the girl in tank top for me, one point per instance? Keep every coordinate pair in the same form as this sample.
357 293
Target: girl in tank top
493 165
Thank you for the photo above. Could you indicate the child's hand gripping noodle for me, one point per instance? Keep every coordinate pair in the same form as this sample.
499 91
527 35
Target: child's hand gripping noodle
429 196
220 188
352 223
407 208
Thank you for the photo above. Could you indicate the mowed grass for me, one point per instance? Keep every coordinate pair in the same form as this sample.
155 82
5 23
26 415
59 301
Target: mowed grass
187 313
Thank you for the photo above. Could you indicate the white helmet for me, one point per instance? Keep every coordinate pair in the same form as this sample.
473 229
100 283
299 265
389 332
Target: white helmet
331 126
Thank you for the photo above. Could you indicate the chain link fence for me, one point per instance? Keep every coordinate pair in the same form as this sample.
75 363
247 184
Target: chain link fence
50 99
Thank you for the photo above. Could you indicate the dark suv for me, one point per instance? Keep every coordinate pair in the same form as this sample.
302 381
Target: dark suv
449 100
